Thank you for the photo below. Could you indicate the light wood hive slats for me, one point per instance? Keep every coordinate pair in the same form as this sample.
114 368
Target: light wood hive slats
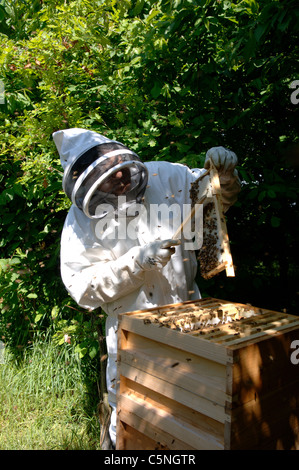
229 385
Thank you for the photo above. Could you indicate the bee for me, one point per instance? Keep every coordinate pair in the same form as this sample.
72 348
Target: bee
175 364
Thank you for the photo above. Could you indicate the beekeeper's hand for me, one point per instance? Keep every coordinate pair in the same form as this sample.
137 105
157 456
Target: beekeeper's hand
224 160
156 254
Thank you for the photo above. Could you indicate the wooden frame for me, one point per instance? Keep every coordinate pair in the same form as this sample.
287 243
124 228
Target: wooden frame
214 255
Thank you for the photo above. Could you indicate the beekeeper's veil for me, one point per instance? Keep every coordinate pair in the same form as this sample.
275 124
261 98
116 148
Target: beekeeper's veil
90 162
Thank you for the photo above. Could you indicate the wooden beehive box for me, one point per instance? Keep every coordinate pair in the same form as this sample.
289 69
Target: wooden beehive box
208 374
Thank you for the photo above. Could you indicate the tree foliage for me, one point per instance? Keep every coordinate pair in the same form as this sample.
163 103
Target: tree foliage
170 79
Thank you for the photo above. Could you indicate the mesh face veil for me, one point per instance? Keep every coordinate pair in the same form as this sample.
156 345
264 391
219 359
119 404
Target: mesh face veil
108 177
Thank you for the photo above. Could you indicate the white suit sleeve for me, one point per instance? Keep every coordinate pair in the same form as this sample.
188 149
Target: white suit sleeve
90 272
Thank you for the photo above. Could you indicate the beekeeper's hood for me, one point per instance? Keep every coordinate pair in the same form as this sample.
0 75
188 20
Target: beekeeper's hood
97 171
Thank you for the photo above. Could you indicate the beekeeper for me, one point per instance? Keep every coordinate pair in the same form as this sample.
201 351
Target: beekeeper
117 251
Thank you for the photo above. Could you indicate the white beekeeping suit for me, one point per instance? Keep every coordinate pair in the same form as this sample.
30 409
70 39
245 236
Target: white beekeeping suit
113 256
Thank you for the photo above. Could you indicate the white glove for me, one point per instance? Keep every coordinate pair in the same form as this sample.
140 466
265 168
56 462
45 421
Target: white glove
156 254
224 160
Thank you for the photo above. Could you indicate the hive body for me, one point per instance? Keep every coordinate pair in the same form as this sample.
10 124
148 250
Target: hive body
210 375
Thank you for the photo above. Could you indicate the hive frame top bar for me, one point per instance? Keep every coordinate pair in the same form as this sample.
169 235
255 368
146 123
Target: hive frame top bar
229 324
206 302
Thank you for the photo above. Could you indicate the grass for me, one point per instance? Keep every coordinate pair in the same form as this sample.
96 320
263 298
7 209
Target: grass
46 402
